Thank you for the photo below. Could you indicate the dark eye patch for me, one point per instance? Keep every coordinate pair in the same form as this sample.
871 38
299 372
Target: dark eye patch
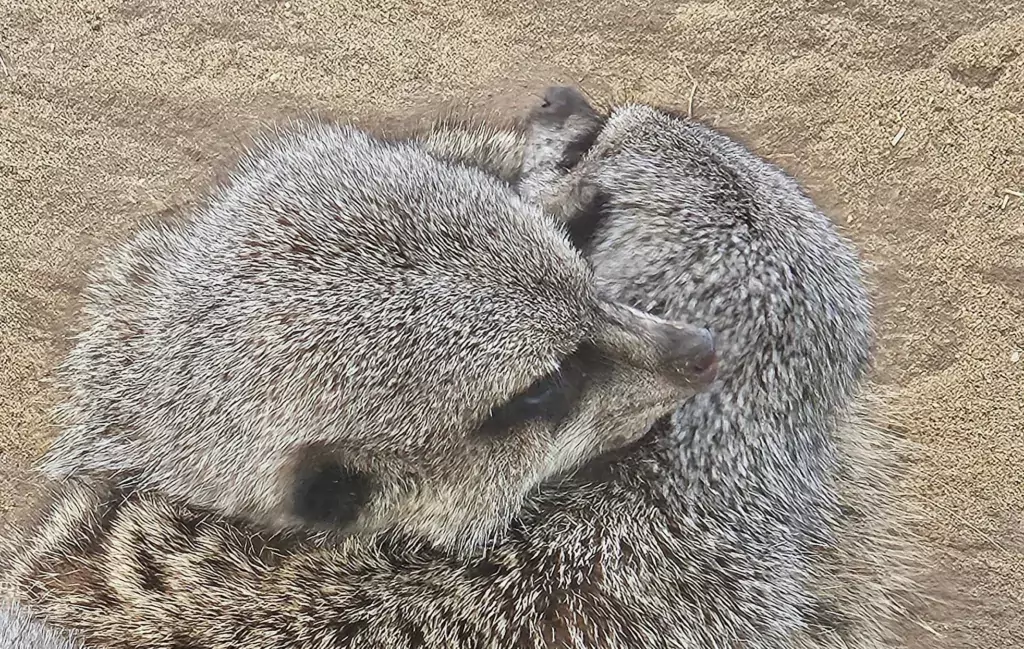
549 398
326 491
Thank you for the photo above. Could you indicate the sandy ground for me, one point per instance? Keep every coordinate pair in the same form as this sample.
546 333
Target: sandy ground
905 119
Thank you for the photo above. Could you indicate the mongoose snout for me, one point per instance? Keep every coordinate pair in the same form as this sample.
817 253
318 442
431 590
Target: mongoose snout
678 359
681 353
690 353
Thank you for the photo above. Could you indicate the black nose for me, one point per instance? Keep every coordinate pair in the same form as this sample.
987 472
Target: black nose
689 353
702 355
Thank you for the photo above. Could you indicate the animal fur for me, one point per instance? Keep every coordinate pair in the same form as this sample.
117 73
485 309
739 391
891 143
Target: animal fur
761 514
19 630
354 335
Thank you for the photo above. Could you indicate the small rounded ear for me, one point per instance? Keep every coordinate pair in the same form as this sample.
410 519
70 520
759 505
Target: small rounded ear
325 491
559 104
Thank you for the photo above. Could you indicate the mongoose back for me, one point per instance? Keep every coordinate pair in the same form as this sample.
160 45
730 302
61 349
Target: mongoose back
759 514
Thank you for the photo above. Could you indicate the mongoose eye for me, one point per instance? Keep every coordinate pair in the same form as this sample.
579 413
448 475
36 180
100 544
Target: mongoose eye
542 392
549 398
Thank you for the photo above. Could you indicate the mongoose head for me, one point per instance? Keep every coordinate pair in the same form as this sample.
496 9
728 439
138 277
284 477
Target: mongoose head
350 335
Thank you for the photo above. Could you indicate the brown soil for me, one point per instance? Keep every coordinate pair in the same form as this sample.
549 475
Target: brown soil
111 111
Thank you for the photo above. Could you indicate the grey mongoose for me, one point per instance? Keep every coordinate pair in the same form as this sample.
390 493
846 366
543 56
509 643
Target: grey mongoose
761 512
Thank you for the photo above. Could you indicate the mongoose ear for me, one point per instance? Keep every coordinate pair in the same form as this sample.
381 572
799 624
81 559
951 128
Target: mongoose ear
325 490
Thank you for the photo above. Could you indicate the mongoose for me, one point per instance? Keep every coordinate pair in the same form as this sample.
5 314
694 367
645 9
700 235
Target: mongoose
355 334
759 514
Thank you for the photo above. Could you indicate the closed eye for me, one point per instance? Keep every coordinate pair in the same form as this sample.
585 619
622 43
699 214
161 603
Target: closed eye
549 399
540 394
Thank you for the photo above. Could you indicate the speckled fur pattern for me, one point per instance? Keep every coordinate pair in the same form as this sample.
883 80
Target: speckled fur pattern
19 630
762 514
344 327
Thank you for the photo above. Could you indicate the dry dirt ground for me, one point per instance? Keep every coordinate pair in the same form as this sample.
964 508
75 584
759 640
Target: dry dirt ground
905 119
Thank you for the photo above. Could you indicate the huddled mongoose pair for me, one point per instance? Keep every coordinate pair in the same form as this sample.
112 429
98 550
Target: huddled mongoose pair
590 382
